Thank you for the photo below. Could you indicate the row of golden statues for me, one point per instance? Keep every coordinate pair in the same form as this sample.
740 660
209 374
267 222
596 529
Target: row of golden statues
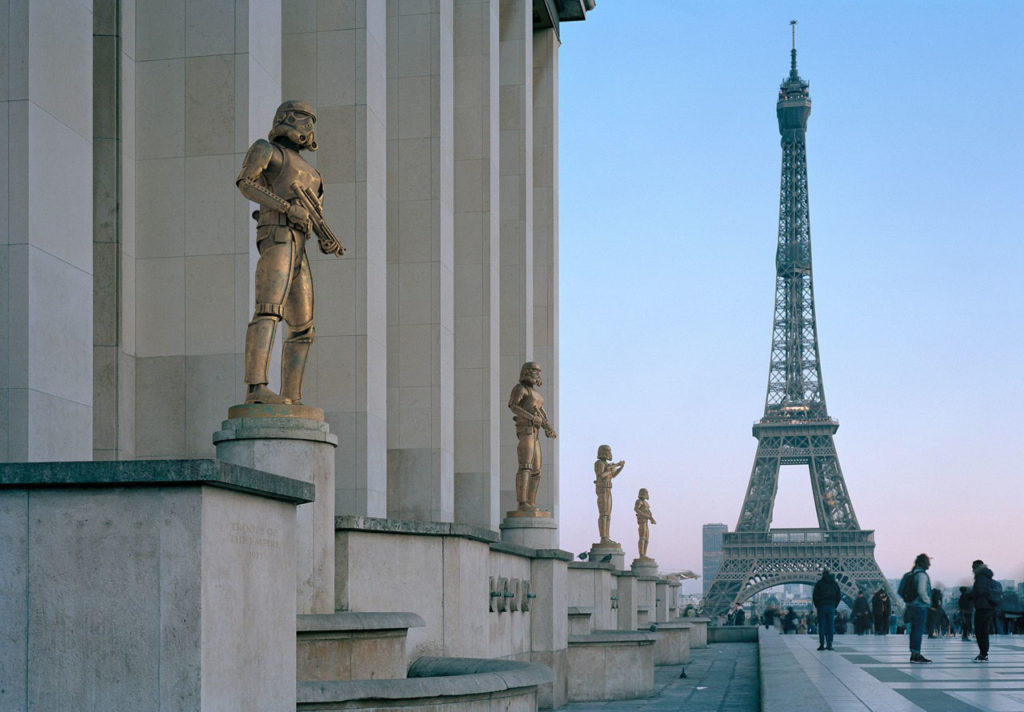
290 194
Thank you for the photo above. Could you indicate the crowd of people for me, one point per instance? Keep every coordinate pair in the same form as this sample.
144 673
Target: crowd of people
978 612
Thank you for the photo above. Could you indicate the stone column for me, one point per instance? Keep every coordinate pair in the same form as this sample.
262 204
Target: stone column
207 82
420 260
334 57
478 403
516 224
113 231
294 442
545 244
46 250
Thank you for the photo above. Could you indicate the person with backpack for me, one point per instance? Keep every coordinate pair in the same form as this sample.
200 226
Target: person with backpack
916 591
826 596
987 595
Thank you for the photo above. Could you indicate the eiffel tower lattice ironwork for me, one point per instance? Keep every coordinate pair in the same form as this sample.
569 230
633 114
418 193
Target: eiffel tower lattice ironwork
796 428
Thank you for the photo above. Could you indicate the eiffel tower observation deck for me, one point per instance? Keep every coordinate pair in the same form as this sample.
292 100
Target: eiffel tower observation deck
796 428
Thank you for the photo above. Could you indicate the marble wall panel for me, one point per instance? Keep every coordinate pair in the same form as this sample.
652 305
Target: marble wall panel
210 27
159 29
160 214
160 107
160 406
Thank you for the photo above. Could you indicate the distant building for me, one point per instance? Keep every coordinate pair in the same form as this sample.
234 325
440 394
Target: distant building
712 552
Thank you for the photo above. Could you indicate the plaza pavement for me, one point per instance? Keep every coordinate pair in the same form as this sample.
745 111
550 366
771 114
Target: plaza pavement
863 674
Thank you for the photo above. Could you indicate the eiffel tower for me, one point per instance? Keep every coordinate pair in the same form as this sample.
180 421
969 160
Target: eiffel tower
796 428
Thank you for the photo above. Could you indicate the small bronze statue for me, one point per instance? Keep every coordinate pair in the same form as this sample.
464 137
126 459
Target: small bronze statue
527 405
604 472
290 196
643 516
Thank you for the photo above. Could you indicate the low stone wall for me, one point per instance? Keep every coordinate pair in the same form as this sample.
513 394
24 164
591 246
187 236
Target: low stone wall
698 632
611 665
435 685
732 634
674 646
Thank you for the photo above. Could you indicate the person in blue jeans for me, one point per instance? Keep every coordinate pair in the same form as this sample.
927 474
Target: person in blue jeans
826 597
917 609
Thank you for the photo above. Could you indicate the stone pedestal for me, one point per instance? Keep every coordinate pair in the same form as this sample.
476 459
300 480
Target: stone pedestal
292 441
644 566
598 552
536 532
611 665
628 599
147 585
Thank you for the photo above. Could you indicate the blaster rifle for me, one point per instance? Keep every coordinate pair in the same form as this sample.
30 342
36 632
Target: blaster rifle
329 243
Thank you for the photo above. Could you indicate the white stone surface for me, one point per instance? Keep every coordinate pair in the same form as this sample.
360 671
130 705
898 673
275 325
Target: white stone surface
79 577
303 450
626 590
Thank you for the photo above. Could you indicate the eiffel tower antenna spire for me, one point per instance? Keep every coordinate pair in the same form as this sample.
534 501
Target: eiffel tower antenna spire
796 428
792 52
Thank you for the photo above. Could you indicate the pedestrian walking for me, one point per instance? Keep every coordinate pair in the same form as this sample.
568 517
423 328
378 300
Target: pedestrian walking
987 595
916 591
826 597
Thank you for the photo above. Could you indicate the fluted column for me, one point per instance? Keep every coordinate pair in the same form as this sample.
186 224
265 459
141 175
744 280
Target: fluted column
545 243
420 261
478 402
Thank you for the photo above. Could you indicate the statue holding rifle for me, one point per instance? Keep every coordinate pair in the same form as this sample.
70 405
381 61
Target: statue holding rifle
527 405
289 192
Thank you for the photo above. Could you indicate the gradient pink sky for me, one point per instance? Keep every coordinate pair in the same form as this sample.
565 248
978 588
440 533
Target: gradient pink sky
669 161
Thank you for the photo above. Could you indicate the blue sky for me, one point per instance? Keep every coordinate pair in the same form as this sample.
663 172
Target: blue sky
669 181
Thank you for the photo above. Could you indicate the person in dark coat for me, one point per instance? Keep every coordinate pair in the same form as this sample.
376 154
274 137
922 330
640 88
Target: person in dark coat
984 608
966 607
789 621
881 607
826 597
934 612
861 614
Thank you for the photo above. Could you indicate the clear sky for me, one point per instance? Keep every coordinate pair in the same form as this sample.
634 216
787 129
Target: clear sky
669 181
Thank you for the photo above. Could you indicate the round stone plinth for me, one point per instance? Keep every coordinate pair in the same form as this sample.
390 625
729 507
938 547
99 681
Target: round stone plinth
275 441
608 554
534 532
529 514
269 410
644 566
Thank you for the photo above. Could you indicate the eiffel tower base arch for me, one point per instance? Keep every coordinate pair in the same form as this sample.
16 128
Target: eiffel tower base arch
755 561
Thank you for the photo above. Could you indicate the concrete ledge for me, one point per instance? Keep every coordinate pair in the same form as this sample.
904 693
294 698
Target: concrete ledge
401 526
785 686
153 473
432 682
733 634
353 646
349 621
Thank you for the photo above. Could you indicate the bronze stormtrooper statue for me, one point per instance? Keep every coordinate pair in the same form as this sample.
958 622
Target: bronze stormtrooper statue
289 192
527 406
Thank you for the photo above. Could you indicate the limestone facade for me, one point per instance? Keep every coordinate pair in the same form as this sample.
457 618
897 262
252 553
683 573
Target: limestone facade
127 254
